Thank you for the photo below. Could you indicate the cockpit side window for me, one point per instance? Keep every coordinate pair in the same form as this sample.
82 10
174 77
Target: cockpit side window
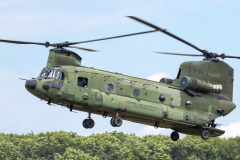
82 82
57 84
63 76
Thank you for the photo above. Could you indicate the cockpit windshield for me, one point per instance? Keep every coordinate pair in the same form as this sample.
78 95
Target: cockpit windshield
51 73
43 74
60 76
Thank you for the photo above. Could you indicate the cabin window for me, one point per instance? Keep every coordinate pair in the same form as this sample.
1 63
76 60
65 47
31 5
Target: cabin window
162 98
188 103
136 92
82 82
110 87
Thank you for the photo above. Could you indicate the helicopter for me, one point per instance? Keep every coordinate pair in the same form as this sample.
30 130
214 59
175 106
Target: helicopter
201 92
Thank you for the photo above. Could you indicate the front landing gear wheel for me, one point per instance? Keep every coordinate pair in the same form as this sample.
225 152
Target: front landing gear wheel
205 134
88 123
112 121
116 121
174 136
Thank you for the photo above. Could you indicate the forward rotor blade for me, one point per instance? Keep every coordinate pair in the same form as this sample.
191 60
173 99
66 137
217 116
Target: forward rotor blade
166 32
126 35
23 79
179 54
86 49
20 42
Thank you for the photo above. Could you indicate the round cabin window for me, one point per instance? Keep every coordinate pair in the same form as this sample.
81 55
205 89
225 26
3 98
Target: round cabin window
110 87
136 92
162 98
188 103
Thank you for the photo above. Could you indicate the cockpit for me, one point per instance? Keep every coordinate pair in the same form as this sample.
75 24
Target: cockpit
55 75
52 73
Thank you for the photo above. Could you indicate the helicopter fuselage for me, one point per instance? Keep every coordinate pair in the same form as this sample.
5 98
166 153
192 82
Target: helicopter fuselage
131 98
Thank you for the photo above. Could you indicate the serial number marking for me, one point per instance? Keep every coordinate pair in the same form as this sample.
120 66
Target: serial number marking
147 107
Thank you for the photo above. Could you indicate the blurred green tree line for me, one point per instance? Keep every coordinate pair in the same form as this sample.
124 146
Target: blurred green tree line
115 146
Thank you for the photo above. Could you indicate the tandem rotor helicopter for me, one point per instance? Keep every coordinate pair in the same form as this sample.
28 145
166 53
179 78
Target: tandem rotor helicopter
189 104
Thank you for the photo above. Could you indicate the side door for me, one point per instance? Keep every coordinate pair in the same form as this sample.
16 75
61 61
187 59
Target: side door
82 91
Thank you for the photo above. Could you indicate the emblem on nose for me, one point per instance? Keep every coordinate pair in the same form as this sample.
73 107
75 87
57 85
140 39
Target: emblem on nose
31 84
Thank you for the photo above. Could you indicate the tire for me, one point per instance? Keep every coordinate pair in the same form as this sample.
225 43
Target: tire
89 123
84 123
174 136
205 134
112 121
117 121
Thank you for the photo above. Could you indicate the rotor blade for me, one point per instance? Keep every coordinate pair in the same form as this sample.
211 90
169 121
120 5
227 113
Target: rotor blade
23 79
91 50
166 32
179 54
20 42
231 57
126 35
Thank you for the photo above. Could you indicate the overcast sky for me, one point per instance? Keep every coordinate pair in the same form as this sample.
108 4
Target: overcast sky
212 25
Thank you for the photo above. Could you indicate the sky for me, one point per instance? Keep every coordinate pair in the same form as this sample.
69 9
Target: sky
211 25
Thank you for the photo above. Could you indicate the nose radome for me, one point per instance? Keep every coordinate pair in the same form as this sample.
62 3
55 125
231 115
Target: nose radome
31 84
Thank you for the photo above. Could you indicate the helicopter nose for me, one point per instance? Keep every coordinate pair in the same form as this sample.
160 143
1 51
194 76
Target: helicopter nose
31 84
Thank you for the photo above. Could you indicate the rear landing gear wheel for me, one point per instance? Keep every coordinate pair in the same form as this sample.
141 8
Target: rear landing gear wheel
174 136
205 134
84 123
88 123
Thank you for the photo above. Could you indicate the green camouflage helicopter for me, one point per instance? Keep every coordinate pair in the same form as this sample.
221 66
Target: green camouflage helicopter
189 104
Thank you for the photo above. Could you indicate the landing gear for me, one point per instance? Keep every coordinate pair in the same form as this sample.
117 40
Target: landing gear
156 126
104 115
49 102
88 123
116 121
205 134
71 108
174 136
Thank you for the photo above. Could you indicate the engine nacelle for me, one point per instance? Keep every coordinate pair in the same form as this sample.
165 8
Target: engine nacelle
194 84
166 80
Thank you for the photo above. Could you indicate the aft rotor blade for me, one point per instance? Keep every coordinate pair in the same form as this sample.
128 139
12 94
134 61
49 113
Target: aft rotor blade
179 54
86 49
166 32
20 42
126 35
230 57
